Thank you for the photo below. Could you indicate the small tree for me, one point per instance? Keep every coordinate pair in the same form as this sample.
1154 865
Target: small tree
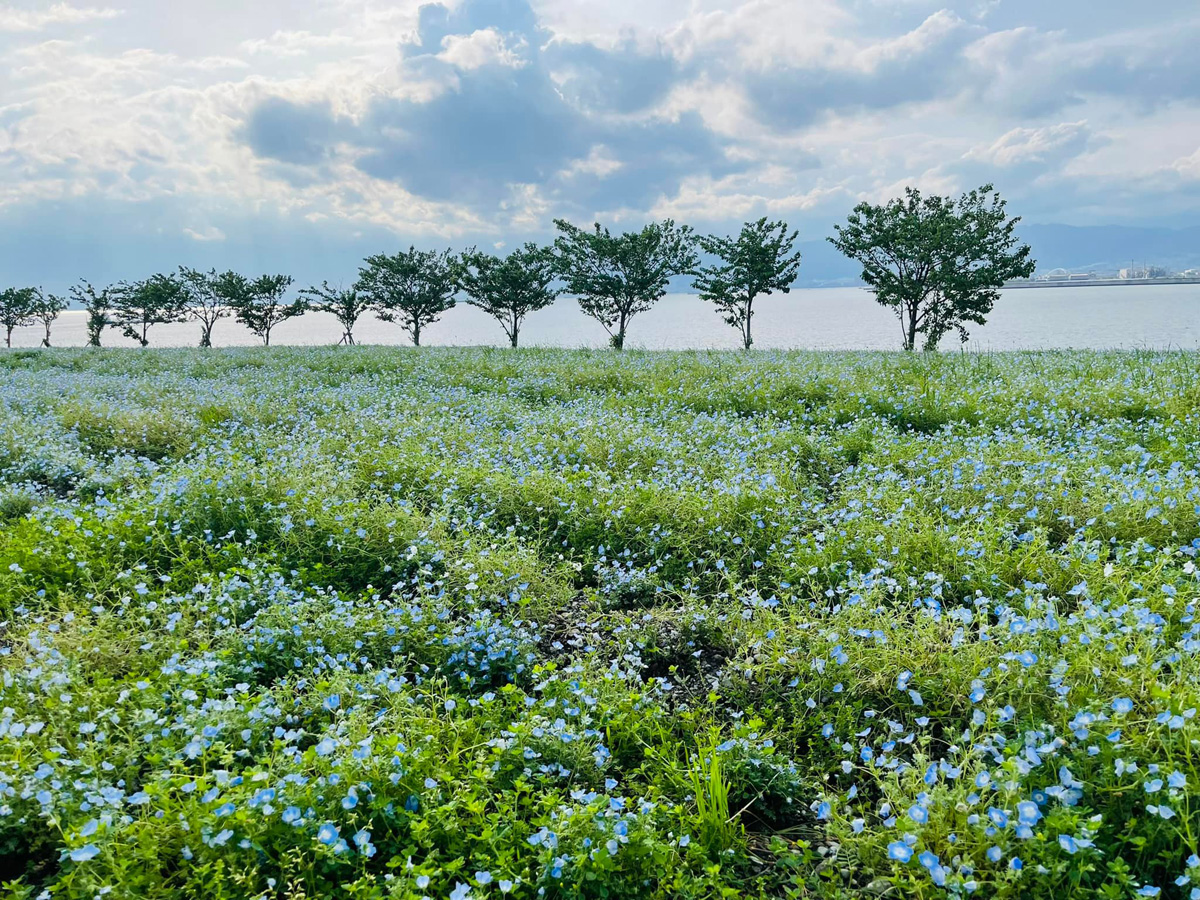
347 306
202 302
18 308
412 287
48 307
758 261
158 300
937 262
99 309
509 289
617 277
258 303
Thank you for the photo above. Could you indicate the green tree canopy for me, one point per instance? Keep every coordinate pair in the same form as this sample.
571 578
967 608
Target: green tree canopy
46 310
615 277
760 260
413 287
345 305
202 302
18 308
936 261
510 288
98 305
258 302
157 300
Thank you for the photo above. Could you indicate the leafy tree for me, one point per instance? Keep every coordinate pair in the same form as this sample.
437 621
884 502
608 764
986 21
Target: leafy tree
202 302
509 289
937 262
18 307
347 306
258 303
47 309
413 287
158 300
760 260
98 306
615 277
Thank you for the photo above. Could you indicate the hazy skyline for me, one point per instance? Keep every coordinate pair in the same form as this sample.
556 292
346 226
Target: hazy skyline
295 135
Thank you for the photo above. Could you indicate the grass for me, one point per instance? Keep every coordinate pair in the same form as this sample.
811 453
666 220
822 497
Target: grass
375 623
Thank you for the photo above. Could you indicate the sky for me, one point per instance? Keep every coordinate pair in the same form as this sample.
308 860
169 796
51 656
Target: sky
299 135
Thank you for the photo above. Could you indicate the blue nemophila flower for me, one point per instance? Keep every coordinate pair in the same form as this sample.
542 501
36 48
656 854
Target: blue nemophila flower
422 881
332 702
461 891
327 834
483 877
899 851
84 853
918 814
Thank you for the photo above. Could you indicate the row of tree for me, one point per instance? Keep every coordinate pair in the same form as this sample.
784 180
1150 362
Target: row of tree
938 262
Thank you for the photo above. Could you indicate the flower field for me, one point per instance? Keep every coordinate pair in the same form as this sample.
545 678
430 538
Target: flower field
367 623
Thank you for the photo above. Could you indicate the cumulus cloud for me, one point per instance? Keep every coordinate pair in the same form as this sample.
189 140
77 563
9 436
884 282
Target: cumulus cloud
13 19
480 120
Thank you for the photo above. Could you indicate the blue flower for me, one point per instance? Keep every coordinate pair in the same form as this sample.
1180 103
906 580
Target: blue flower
918 814
84 853
327 834
461 891
899 851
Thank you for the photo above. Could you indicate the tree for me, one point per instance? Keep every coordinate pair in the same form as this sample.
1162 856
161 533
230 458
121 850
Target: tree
158 300
46 310
937 262
347 306
758 261
617 277
258 303
99 309
413 287
509 289
202 302
18 307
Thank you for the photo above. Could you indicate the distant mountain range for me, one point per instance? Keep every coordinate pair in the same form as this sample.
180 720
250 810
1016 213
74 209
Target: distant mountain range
1099 248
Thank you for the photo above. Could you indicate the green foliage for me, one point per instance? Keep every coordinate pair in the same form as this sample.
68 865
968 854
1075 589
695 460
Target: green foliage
46 310
99 309
157 300
760 260
615 277
258 303
347 306
18 307
203 301
936 261
361 622
509 289
413 287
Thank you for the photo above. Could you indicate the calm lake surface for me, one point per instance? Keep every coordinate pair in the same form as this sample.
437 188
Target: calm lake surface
1155 316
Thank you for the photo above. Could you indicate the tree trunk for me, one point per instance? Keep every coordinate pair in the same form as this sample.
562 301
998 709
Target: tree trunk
746 339
206 336
618 340
8 336
910 340
513 337
416 335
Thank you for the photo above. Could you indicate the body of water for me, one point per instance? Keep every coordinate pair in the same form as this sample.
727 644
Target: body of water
1152 316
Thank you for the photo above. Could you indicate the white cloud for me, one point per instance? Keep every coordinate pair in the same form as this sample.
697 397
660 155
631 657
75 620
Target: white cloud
17 20
208 233
480 48
599 163
1025 145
